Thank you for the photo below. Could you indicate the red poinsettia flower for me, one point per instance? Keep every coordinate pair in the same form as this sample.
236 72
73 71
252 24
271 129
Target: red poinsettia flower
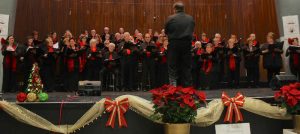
188 90
201 95
290 94
292 101
178 100
188 100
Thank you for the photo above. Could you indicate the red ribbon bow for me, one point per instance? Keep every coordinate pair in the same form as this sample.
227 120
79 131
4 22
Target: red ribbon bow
233 105
114 108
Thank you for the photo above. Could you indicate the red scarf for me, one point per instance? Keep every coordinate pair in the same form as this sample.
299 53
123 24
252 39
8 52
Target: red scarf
81 63
110 58
11 61
207 66
296 60
128 52
163 58
148 54
199 52
232 63
82 43
158 44
93 49
254 43
50 49
71 65
206 40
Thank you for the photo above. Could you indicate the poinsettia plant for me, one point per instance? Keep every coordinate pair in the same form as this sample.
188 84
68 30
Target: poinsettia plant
177 104
289 96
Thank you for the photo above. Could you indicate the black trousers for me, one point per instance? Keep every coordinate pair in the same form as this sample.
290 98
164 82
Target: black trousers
149 73
196 75
72 80
92 71
103 74
48 77
179 63
128 73
253 75
162 77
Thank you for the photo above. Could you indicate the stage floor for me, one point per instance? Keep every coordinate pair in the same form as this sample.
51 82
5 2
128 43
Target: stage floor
58 97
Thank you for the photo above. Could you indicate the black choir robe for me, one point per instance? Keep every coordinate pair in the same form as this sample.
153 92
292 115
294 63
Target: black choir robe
272 60
196 65
83 58
208 70
251 64
162 67
129 61
9 69
48 61
149 58
94 64
73 68
233 58
111 63
220 51
31 54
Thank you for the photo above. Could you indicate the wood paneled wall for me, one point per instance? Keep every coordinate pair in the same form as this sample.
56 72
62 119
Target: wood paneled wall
239 17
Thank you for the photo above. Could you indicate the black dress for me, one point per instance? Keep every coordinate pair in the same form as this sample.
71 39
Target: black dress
148 57
94 64
196 65
48 61
111 63
272 60
73 66
251 64
162 67
208 70
9 69
129 61
220 51
31 55
233 59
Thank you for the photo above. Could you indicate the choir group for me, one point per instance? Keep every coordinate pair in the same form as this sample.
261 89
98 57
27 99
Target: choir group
137 62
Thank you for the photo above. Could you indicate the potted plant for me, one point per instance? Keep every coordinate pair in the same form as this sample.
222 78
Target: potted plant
177 107
289 96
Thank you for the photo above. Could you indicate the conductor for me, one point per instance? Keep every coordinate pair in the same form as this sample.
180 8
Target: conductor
179 28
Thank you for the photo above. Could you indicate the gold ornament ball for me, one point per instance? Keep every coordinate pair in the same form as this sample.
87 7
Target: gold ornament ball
31 97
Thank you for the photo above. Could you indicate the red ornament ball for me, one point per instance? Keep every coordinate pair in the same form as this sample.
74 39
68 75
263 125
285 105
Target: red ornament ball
21 97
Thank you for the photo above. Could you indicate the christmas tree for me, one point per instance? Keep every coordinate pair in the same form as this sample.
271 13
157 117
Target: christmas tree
35 84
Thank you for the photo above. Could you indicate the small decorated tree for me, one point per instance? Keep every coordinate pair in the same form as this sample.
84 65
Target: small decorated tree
35 84
34 88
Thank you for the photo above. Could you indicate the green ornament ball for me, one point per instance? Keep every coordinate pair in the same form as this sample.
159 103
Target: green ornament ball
43 97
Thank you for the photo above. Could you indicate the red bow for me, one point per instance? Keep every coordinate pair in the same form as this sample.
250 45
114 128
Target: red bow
233 104
114 108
